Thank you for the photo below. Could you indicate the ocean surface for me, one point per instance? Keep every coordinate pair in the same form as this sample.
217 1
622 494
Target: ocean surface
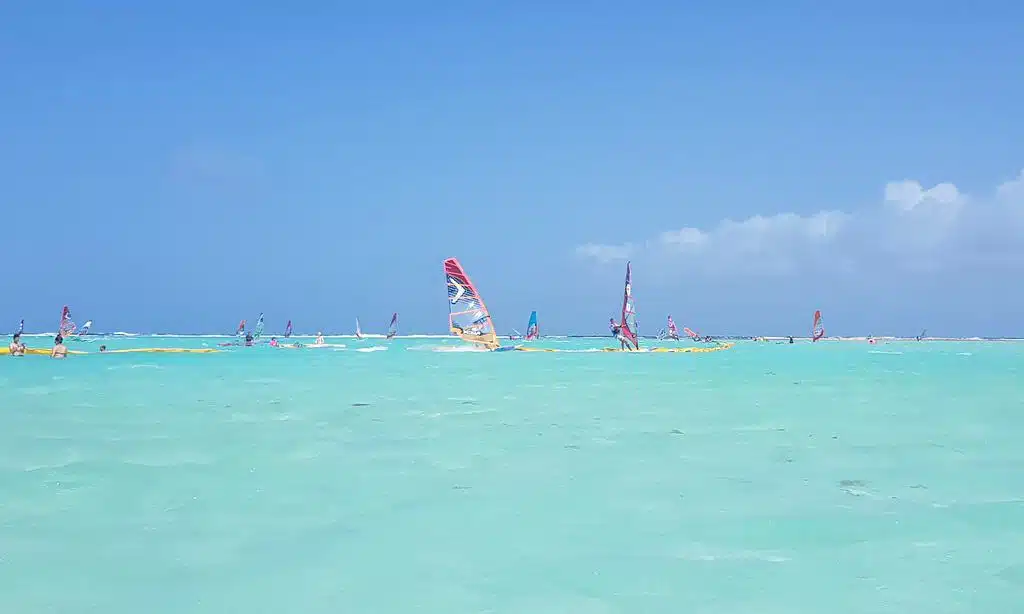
835 477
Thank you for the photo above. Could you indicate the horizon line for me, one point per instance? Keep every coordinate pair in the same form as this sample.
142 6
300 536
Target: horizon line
583 336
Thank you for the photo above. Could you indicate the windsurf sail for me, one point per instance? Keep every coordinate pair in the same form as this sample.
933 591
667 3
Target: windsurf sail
468 317
85 329
673 330
393 326
922 335
628 324
240 331
692 334
532 329
259 328
359 332
818 328
288 329
21 327
67 325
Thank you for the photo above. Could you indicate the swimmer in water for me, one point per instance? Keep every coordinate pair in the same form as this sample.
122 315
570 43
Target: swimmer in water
248 339
17 348
59 350
319 338
273 342
103 348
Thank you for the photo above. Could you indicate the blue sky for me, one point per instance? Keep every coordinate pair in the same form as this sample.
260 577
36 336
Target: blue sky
194 163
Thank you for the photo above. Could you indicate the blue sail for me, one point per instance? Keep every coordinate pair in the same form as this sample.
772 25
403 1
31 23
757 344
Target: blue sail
532 329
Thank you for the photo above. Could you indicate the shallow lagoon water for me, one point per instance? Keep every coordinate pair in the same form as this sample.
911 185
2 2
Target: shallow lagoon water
831 477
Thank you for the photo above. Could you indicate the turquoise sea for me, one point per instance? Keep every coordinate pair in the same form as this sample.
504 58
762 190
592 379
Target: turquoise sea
834 477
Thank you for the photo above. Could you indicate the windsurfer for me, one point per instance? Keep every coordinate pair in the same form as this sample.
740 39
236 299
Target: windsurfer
617 333
17 348
248 339
59 349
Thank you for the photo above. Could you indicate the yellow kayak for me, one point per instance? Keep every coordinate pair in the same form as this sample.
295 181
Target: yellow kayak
46 352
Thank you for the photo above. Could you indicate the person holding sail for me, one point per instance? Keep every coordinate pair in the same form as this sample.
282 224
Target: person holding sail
618 334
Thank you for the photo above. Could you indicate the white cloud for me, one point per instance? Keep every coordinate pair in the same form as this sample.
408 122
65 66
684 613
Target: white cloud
1012 192
913 228
606 253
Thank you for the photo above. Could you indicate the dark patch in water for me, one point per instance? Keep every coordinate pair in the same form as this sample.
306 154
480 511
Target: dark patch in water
769 372
571 447
1014 574
360 405
469 403
677 432
855 488
459 487
729 478
920 486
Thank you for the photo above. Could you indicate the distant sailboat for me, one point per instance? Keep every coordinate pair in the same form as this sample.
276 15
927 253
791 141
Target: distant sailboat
240 331
922 335
627 324
393 326
359 331
256 334
532 328
468 318
67 325
818 328
672 329
288 329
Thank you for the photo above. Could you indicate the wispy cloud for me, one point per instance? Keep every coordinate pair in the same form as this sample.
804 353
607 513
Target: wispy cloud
911 228
205 163
606 253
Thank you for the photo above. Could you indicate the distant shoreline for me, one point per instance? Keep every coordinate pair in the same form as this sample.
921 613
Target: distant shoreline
505 336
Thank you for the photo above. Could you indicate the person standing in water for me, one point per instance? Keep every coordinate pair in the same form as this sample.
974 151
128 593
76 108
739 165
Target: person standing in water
319 338
59 349
617 333
248 339
17 348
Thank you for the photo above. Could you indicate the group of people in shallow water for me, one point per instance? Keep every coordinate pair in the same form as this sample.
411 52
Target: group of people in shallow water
274 343
18 347
626 343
